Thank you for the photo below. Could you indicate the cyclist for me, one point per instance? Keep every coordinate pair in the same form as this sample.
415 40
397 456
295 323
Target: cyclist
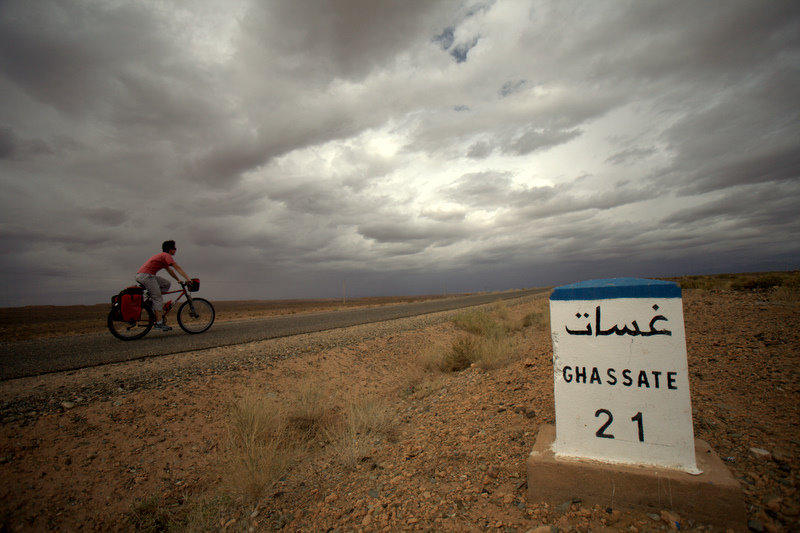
155 284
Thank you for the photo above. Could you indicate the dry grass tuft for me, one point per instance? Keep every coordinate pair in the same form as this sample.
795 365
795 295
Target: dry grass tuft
310 410
364 423
482 323
496 353
157 514
266 435
538 317
460 354
534 319
484 352
464 351
260 444
785 294
419 382
490 340
152 514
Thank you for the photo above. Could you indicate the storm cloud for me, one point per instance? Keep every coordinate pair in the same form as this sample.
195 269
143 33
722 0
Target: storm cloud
292 148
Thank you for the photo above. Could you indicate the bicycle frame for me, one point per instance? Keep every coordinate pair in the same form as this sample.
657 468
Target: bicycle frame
172 303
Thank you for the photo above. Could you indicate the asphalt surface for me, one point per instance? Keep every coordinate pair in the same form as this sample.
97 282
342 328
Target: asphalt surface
42 356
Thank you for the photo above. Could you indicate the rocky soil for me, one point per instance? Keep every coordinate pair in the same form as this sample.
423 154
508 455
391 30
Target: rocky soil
146 445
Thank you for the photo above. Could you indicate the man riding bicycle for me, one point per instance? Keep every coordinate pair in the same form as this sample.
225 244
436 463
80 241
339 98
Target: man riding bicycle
155 284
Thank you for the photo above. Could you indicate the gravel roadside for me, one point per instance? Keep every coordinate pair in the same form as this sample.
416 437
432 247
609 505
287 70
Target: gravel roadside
27 398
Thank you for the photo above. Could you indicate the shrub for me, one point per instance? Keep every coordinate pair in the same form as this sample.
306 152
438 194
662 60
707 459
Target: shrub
535 319
694 282
489 341
761 283
486 352
792 280
463 352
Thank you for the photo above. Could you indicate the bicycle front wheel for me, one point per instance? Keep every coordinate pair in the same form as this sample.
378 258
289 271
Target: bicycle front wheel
196 316
129 330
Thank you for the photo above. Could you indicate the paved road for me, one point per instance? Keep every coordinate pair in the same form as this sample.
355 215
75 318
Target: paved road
31 358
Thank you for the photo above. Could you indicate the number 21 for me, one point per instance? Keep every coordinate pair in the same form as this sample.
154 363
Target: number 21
601 433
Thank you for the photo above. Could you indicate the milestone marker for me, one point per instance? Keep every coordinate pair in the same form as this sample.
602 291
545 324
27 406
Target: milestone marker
623 435
621 375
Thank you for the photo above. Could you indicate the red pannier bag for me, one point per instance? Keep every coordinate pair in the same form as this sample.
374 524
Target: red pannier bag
130 303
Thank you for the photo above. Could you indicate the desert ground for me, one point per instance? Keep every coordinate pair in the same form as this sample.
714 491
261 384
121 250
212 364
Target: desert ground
420 424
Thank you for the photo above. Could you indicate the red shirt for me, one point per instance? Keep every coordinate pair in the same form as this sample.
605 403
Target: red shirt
156 263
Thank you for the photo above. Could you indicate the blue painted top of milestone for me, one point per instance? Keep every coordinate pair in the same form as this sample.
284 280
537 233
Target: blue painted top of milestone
604 289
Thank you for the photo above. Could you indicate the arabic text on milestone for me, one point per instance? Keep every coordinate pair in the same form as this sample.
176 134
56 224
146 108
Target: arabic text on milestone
634 330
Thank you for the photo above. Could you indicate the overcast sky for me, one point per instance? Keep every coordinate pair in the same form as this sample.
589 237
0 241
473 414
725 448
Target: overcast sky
299 148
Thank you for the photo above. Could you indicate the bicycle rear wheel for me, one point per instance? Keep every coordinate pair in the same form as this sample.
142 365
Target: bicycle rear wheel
197 316
129 330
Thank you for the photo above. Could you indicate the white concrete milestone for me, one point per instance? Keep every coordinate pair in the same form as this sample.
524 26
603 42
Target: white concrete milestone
621 375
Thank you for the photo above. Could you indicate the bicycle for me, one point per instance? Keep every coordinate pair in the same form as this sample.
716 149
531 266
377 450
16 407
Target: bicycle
195 315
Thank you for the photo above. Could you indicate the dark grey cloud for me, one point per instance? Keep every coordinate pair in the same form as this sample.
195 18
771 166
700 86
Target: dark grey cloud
682 42
749 207
446 38
482 189
748 136
461 50
540 139
106 216
456 215
326 32
511 87
630 155
12 147
308 197
529 124
62 53
7 143
538 204
419 235
223 164
18 238
493 191
480 150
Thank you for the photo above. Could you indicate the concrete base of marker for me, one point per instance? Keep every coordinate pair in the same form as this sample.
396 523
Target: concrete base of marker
713 497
